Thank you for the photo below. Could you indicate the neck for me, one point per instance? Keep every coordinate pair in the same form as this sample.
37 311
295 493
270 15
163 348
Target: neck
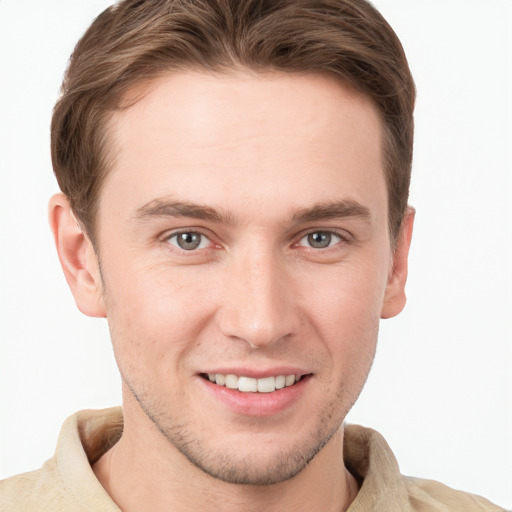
144 472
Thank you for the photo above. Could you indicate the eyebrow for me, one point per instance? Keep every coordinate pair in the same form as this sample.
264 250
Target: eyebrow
165 207
333 210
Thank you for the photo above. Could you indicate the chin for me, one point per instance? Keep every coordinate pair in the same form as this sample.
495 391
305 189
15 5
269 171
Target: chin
251 457
252 466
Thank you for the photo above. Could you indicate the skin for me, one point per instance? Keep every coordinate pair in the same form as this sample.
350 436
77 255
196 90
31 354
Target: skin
266 160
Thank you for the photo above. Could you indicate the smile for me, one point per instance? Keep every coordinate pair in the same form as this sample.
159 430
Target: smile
252 385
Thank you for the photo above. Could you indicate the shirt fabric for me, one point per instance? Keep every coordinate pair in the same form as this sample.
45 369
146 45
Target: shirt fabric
67 483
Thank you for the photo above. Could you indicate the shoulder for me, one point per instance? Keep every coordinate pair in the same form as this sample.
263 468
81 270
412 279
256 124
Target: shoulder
429 495
66 481
370 459
37 490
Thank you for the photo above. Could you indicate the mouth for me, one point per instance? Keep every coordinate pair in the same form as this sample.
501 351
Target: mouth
246 384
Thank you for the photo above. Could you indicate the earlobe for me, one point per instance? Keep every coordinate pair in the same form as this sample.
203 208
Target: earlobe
395 299
77 257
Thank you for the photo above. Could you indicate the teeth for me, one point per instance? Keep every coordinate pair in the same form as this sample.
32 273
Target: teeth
231 381
250 385
267 385
247 384
280 382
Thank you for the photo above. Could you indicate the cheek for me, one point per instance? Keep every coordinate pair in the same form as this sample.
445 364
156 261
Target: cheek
155 317
348 296
344 310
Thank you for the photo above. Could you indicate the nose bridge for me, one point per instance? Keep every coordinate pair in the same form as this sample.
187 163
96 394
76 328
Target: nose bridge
257 304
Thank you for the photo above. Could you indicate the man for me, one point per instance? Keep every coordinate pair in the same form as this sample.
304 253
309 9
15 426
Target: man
235 179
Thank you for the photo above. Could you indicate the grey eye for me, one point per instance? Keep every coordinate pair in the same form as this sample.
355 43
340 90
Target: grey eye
189 240
320 240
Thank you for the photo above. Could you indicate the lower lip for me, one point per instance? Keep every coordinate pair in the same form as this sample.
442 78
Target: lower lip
257 404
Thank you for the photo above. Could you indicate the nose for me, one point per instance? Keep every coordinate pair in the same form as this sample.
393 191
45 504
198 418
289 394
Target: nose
258 301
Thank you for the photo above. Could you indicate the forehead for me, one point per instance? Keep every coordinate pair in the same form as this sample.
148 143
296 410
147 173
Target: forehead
265 137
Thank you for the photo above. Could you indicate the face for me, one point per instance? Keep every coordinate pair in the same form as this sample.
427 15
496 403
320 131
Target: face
245 258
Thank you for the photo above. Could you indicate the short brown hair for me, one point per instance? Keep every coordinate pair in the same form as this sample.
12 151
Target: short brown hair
136 40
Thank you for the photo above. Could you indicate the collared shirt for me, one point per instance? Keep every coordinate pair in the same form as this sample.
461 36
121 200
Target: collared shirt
67 483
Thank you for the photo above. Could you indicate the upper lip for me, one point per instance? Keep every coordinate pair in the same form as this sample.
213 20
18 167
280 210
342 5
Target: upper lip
258 373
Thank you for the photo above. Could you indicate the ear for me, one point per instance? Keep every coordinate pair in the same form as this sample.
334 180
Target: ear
394 298
77 258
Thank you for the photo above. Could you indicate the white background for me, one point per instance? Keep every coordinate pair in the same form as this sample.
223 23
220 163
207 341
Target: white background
441 387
